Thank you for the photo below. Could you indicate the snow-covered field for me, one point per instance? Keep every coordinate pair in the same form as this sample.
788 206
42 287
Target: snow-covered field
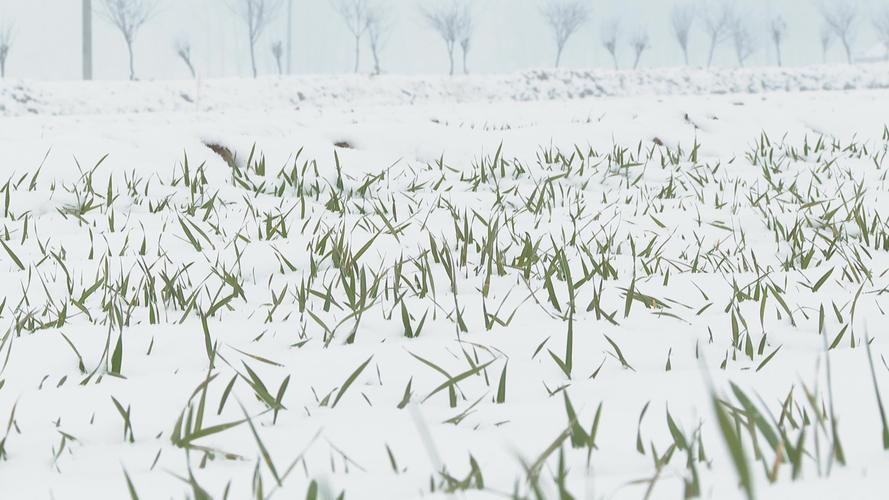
473 293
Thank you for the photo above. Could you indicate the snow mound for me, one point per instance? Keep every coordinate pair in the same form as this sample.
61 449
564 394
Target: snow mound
72 98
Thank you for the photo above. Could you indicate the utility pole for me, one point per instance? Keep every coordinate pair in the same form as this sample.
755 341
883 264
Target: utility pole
87 40
289 37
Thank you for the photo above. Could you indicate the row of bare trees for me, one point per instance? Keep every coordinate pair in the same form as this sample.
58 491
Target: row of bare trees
727 22
719 22
565 17
450 19
362 17
722 22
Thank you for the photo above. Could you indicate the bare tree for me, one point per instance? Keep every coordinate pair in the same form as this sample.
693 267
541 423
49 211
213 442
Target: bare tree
841 17
6 33
451 20
717 24
640 42
564 18
378 26
183 50
743 39
129 16
610 37
356 14
278 54
826 39
682 18
881 23
466 43
256 15
777 33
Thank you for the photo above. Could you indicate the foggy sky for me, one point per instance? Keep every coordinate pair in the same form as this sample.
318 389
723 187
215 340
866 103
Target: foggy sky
510 36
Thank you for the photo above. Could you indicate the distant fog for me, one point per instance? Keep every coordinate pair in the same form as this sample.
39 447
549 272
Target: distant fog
510 35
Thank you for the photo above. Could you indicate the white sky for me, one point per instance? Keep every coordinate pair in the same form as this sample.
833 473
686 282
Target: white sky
510 36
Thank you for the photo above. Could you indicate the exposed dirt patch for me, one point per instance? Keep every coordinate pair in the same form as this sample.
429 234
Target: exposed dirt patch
223 152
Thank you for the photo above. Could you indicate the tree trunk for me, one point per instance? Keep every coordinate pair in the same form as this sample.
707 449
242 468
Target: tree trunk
3 68
132 63
465 62
357 52
451 59
848 49
376 56
636 62
685 53
778 51
558 55
712 51
614 59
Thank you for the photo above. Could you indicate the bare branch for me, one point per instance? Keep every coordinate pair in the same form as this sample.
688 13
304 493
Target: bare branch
564 18
777 33
610 38
129 16
356 14
378 27
841 17
743 39
183 50
717 21
256 16
640 42
452 21
682 18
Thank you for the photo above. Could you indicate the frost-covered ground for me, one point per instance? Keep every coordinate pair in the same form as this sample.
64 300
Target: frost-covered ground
469 294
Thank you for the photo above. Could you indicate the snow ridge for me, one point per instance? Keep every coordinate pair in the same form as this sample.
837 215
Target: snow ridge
73 98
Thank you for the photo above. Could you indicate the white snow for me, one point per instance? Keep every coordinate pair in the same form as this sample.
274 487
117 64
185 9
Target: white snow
783 187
